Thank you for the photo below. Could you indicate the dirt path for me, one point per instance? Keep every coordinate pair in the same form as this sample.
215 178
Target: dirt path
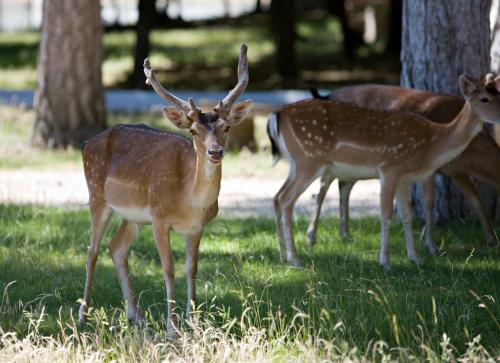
240 197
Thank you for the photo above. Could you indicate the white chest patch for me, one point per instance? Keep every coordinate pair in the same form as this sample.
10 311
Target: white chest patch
352 172
443 158
136 215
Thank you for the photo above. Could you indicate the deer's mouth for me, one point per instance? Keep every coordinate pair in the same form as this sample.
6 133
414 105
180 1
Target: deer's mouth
215 160
215 156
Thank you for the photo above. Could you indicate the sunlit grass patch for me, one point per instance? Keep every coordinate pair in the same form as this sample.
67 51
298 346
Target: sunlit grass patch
340 305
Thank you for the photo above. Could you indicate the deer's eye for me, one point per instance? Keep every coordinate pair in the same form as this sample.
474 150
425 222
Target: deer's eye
193 132
226 129
484 100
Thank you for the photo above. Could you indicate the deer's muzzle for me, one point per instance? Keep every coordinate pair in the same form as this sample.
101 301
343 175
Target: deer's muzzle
215 153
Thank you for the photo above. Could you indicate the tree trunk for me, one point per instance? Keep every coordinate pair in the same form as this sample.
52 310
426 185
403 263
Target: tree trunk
69 101
351 39
146 21
495 67
283 26
441 40
495 36
394 37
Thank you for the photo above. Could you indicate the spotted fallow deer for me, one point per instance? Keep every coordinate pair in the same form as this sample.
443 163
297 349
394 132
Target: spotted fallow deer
152 177
354 143
478 160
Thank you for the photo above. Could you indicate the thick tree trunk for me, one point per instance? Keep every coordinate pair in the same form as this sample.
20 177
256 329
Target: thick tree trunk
495 67
441 40
69 101
283 26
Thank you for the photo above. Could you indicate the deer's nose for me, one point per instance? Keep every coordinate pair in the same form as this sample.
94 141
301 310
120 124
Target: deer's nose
216 152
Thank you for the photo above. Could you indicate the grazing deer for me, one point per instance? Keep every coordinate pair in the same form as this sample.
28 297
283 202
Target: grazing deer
355 143
477 160
152 177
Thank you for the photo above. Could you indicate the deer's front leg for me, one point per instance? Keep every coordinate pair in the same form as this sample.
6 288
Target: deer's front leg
405 213
162 238
388 186
192 248
118 248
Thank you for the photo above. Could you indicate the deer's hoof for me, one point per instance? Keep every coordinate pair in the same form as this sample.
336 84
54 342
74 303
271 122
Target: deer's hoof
432 249
82 314
346 237
137 317
492 242
311 238
295 262
415 260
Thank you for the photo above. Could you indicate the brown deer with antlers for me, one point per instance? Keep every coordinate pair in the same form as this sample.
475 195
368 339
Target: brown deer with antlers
478 159
359 143
159 178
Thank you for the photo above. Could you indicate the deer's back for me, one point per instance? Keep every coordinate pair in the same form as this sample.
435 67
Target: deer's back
341 132
436 107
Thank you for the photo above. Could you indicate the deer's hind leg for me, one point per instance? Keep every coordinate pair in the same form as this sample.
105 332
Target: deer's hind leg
345 188
118 248
326 181
428 199
284 202
467 187
100 214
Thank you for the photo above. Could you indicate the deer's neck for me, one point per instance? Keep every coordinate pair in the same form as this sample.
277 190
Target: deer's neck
465 127
458 134
206 183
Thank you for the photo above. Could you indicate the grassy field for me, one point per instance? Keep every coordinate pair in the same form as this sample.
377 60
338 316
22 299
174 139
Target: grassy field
252 307
204 58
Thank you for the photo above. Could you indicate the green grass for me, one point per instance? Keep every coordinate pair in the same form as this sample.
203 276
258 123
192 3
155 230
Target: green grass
341 297
205 57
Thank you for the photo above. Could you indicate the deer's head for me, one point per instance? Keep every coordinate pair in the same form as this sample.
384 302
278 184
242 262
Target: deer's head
483 96
209 129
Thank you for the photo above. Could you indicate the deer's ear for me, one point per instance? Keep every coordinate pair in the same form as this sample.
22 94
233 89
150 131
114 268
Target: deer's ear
239 111
177 117
467 86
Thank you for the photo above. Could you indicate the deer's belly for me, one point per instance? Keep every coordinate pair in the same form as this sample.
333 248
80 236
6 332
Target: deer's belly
133 214
353 172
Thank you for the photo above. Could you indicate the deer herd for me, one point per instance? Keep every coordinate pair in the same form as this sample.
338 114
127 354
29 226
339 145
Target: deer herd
399 136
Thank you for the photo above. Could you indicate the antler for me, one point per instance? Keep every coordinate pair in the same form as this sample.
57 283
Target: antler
188 107
225 105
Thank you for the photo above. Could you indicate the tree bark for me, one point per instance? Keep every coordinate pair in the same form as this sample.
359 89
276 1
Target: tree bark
283 27
351 39
69 101
145 23
495 67
495 36
394 37
442 40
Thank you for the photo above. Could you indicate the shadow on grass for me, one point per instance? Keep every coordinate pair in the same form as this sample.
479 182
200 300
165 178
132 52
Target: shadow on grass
44 251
